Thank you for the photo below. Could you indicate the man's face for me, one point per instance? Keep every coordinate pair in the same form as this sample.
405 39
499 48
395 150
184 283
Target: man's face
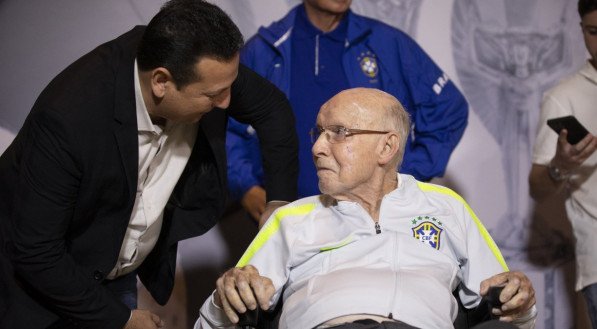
336 7
212 89
589 27
345 168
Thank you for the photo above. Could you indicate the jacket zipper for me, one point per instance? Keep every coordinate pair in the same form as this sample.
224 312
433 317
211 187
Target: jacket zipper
377 228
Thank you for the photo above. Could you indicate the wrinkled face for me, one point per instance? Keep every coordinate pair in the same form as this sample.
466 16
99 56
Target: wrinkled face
192 101
336 7
589 28
345 168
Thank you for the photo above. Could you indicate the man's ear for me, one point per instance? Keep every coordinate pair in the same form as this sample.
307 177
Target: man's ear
388 148
161 81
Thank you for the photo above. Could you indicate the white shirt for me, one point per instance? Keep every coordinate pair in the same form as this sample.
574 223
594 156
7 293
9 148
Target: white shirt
575 96
163 155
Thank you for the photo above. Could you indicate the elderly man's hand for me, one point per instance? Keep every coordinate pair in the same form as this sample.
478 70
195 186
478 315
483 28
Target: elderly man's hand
243 288
518 295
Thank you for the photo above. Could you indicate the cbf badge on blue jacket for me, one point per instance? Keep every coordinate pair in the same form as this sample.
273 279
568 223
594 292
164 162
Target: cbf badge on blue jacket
368 62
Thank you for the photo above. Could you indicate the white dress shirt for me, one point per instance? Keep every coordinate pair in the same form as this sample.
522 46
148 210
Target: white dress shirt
163 155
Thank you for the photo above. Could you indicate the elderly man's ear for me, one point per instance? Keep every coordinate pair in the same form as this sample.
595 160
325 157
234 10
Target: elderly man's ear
388 148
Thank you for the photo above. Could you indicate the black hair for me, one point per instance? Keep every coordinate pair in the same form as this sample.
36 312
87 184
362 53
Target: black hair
183 32
586 6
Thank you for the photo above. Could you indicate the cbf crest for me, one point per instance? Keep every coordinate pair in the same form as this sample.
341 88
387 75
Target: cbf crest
368 63
428 230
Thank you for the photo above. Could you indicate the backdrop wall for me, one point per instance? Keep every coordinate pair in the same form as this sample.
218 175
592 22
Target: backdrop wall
503 54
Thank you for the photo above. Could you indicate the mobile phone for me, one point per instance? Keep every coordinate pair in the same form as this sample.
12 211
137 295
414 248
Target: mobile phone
576 131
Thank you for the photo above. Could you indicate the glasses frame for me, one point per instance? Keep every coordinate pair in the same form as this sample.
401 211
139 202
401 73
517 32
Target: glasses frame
315 132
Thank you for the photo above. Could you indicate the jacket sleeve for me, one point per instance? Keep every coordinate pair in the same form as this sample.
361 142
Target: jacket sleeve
480 257
270 253
439 116
244 159
45 200
483 259
259 103
257 55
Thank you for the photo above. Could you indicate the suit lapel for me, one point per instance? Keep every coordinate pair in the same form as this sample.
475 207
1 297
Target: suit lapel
211 124
125 121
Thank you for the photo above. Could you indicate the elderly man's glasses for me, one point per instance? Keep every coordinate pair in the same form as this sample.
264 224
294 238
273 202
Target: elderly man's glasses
338 134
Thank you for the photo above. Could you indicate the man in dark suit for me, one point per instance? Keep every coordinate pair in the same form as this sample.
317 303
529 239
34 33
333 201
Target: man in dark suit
120 158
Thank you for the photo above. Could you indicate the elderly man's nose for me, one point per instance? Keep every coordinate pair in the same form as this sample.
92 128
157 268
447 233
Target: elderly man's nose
320 145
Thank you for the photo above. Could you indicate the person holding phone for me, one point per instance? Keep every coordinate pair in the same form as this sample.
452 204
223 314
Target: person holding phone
562 166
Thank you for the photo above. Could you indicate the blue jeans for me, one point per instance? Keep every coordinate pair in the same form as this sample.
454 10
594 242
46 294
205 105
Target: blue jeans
124 288
590 293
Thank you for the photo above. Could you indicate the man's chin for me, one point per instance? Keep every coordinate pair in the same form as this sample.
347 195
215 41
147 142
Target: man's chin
325 188
192 120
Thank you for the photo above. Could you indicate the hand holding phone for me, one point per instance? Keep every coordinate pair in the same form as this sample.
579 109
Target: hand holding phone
576 131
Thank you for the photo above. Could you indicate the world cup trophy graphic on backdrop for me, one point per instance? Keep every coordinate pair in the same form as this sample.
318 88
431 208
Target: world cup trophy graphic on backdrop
507 54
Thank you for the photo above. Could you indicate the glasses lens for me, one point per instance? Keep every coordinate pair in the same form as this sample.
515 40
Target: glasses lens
337 134
334 134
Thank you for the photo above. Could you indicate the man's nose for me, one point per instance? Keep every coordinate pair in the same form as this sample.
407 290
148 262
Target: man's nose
320 146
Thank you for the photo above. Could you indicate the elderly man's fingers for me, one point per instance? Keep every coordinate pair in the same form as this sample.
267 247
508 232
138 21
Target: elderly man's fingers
514 302
239 289
520 303
264 290
518 297
228 295
246 293
228 310
510 289
496 280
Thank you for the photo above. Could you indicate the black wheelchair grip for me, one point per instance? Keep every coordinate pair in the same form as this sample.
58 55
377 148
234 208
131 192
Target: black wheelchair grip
249 319
493 296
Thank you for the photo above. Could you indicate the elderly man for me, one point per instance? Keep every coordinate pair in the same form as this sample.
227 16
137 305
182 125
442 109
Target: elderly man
376 246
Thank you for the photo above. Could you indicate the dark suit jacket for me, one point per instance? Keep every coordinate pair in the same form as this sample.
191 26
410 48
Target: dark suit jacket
68 182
